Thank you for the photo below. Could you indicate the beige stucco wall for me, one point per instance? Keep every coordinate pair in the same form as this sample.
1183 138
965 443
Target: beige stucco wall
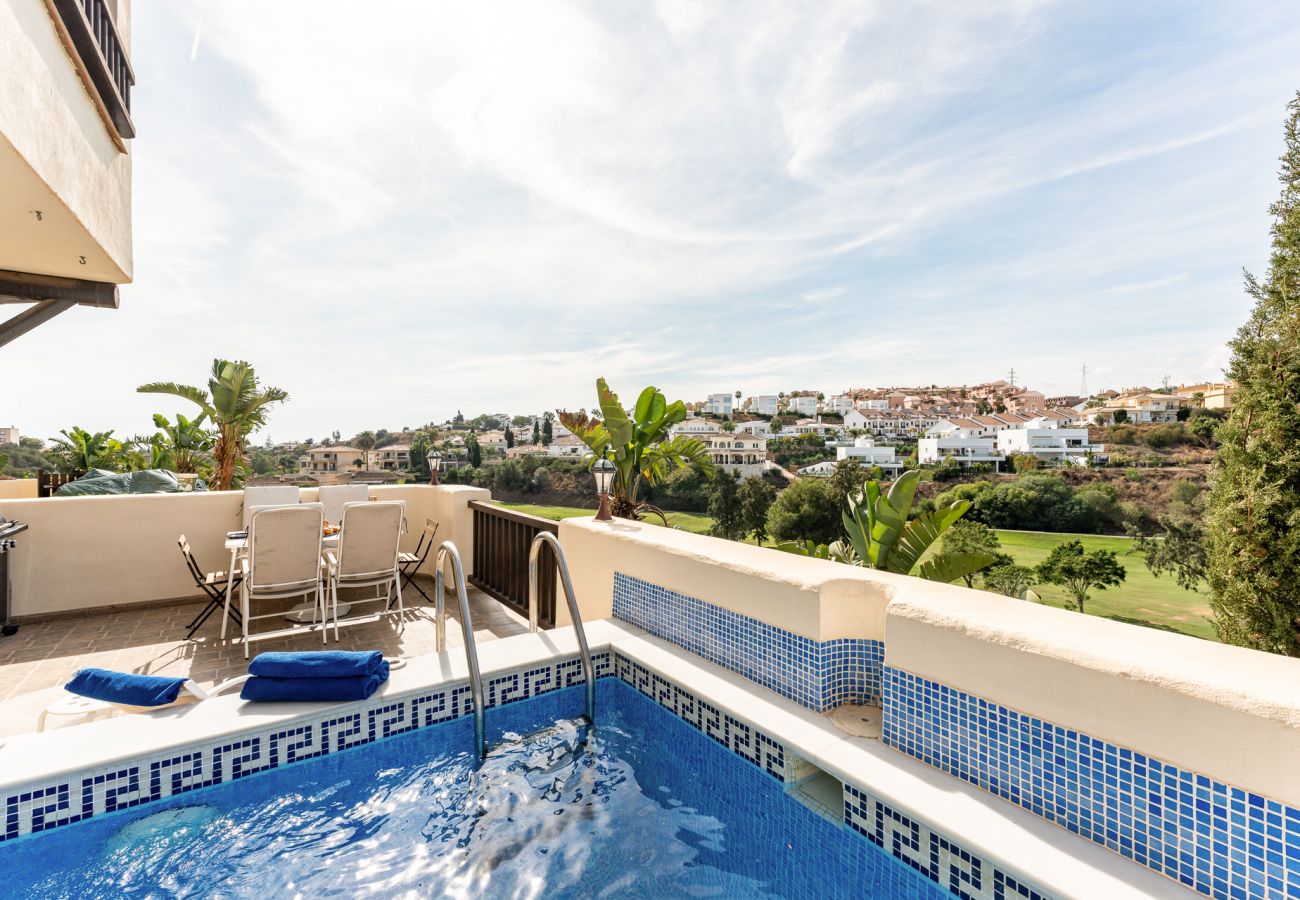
56 155
94 552
815 598
1226 712
18 488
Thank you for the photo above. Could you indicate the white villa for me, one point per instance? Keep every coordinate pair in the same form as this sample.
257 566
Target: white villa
332 458
764 404
839 404
720 404
566 448
804 405
743 454
1140 407
891 423
990 439
392 458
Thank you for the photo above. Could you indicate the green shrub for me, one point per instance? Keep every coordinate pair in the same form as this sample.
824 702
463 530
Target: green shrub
1122 434
1037 502
806 511
1171 434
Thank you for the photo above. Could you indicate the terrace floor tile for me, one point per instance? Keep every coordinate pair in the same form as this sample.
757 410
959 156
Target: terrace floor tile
42 656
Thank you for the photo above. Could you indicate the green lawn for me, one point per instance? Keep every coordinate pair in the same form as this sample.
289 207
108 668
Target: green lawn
697 523
1143 599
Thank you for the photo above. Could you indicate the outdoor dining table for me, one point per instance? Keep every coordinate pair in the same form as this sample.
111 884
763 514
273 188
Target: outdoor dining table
304 613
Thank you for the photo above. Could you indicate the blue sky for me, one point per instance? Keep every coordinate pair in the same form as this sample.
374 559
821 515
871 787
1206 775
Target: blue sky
398 210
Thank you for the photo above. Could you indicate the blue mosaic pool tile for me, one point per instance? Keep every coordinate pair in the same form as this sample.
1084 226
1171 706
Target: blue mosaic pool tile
817 674
745 740
40 807
1217 839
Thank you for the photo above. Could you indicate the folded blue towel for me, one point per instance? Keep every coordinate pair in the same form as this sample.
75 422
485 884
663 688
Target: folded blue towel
265 689
125 688
317 664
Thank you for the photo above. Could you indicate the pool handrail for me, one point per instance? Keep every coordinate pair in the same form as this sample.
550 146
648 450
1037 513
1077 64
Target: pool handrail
588 670
448 549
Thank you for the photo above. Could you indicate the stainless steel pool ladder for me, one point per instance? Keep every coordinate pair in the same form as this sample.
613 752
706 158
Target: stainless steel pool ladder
588 670
448 549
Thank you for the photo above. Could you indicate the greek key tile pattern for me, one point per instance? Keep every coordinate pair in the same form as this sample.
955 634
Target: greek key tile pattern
1215 838
818 675
963 873
39 807
741 738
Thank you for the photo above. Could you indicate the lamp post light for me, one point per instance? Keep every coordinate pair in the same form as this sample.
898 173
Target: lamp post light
603 469
434 458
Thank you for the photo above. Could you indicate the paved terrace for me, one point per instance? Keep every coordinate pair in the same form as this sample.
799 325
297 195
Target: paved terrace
37 661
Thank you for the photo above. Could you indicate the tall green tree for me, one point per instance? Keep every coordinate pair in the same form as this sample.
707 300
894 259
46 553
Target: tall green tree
419 453
806 512
969 536
725 506
1081 572
473 450
547 431
640 445
365 442
510 437
756 499
1252 538
235 403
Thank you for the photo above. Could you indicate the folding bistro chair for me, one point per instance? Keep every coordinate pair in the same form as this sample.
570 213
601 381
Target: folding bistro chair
411 563
212 584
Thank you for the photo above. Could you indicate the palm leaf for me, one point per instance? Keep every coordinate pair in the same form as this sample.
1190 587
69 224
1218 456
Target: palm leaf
197 396
921 532
616 420
948 567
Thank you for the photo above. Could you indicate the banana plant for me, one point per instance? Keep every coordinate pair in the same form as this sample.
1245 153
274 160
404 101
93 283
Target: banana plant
80 450
881 536
185 443
236 404
639 445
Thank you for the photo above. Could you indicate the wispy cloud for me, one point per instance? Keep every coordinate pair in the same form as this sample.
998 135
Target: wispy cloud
400 210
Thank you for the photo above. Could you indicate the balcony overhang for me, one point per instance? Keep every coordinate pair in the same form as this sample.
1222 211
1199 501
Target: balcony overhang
48 295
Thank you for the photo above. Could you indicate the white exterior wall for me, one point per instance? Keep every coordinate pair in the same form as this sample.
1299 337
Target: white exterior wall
804 406
720 404
764 404
57 156
965 450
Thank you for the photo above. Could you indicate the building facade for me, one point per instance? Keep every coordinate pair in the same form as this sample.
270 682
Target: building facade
720 404
65 158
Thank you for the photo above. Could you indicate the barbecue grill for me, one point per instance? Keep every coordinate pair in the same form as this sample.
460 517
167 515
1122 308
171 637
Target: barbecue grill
7 531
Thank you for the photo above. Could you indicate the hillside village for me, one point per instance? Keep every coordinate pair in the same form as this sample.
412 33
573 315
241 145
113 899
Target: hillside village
784 436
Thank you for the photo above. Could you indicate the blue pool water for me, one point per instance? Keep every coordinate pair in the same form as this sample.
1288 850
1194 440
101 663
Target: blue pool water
643 806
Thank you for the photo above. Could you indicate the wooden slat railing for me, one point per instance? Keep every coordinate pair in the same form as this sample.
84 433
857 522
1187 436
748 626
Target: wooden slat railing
49 482
502 539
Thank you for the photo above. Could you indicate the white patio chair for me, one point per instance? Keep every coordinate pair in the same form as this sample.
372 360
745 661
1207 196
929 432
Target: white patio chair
333 497
268 495
368 556
284 560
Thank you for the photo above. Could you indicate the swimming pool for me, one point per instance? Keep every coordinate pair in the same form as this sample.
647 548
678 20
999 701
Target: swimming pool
643 805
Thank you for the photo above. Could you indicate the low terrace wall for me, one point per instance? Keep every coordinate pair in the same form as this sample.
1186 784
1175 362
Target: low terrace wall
86 553
1175 752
